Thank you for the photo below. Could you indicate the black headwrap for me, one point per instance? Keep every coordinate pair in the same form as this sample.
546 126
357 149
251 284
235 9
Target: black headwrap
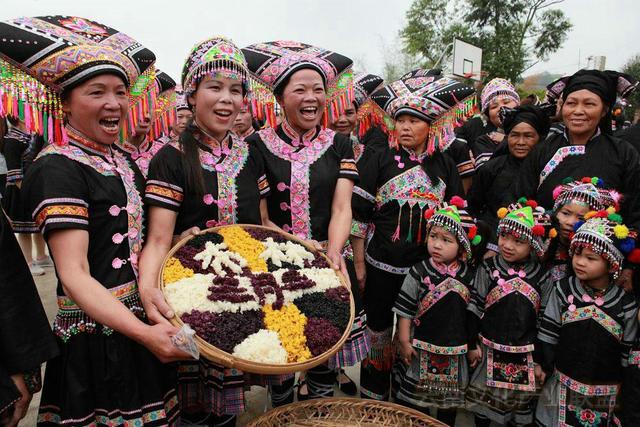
608 85
537 116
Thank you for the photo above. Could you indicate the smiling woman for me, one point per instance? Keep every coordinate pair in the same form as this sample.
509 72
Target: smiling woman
586 147
312 166
207 177
85 198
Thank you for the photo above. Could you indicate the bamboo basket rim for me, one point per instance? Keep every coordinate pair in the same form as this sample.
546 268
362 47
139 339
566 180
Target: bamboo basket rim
217 355
301 414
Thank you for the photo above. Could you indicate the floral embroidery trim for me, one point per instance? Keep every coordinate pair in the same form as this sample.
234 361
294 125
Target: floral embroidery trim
439 372
567 383
587 389
134 209
634 357
412 186
561 154
97 163
513 371
507 348
61 209
164 192
448 350
359 229
594 312
365 195
301 161
440 291
510 286
386 267
227 189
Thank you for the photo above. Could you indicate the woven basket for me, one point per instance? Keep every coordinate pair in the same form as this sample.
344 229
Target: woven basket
223 358
344 412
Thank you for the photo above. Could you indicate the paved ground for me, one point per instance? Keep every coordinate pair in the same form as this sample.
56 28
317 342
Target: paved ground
256 398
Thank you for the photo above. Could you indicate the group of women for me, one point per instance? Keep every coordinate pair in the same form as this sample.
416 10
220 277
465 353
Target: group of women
328 169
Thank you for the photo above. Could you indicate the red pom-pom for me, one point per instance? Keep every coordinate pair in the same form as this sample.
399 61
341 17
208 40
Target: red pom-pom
472 232
429 213
532 203
538 230
586 180
634 256
458 202
602 214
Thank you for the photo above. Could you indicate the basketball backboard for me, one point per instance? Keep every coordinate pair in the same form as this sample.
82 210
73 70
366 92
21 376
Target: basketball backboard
467 60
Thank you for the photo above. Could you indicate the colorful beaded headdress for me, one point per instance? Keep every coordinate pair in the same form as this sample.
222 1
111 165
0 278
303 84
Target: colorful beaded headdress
589 192
42 56
217 56
369 113
454 218
527 221
442 102
271 63
497 87
163 111
181 99
604 233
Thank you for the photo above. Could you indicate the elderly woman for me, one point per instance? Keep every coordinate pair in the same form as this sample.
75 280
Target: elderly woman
207 177
586 147
311 167
398 184
524 126
85 197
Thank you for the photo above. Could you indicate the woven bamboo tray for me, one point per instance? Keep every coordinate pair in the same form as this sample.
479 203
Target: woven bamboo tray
344 412
223 358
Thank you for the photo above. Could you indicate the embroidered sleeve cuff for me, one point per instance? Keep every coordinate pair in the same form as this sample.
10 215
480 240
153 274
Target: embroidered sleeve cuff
14 175
163 194
263 186
58 213
349 170
359 229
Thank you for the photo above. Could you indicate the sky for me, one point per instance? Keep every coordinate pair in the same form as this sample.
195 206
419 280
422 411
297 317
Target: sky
360 29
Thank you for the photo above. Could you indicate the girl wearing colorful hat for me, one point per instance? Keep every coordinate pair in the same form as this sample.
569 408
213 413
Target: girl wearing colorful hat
505 303
207 177
572 200
588 328
431 367
399 182
85 198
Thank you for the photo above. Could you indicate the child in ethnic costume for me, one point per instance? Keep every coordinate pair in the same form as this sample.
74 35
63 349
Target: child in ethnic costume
572 200
432 309
505 301
587 330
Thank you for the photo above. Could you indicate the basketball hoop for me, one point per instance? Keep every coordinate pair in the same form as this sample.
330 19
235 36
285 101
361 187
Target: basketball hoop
467 60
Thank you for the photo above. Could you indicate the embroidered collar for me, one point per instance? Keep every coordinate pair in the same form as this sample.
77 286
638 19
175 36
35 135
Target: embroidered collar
297 139
444 269
505 268
250 131
415 157
80 140
588 295
211 142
